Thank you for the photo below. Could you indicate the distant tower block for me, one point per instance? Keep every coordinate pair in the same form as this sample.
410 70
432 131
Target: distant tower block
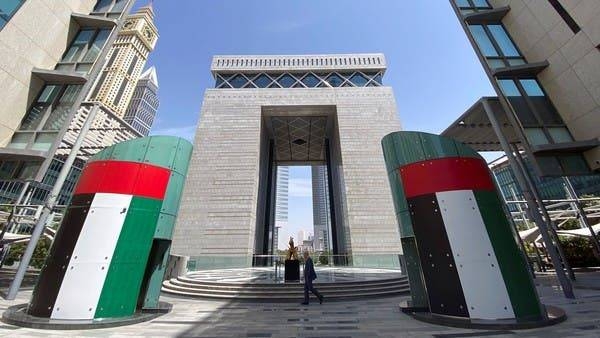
126 60
462 256
144 103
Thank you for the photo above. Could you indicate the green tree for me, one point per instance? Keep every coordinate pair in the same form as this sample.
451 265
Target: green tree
39 254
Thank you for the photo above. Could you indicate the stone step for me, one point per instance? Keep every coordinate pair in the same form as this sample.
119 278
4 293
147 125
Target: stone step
281 291
286 286
282 285
290 297
187 286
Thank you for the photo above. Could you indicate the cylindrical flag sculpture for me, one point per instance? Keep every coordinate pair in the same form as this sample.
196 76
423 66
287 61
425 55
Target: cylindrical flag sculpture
109 255
462 256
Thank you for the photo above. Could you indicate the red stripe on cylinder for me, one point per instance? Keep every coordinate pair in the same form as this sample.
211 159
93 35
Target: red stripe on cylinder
445 174
123 177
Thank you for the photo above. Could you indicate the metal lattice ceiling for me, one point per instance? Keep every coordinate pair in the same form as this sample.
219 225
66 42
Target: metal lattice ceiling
299 138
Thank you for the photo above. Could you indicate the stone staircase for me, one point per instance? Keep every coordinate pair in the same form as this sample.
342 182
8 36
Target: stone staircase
184 286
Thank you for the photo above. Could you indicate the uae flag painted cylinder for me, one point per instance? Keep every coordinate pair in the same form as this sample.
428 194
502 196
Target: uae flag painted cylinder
466 261
109 254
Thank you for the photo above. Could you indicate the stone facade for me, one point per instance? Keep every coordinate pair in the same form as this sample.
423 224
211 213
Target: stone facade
35 37
572 79
220 204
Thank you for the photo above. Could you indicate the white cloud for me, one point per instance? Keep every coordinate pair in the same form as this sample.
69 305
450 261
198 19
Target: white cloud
300 187
187 132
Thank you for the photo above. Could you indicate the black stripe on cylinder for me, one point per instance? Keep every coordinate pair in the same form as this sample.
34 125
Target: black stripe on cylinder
444 290
51 277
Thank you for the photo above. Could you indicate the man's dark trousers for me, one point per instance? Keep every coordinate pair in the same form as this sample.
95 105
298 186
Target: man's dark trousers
309 276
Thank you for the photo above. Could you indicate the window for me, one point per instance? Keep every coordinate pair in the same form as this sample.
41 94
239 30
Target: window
84 50
540 121
7 9
112 8
472 6
299 80
497 47
46 117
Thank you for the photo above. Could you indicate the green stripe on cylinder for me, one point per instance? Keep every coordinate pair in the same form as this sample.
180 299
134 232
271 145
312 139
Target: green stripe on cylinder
513 267
125 274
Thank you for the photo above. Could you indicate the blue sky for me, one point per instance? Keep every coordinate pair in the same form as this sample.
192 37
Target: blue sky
431 66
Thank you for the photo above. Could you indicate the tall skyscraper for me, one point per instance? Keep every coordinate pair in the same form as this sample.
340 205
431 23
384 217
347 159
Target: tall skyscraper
321 216
126 60
281 205
542 59
144 103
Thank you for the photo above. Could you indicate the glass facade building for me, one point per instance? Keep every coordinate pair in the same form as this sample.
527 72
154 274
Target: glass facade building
144 103
544 130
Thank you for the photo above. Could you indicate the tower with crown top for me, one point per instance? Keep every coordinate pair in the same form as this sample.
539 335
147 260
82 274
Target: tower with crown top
126 61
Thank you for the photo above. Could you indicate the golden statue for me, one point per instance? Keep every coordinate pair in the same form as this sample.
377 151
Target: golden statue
292 252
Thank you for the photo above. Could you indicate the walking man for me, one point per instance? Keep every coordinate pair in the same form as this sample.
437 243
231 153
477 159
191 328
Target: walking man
309 276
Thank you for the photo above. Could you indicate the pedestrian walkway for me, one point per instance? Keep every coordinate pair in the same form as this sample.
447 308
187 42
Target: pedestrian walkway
364 318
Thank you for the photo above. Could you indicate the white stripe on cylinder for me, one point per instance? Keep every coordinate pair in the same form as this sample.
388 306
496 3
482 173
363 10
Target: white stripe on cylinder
477 265
81 287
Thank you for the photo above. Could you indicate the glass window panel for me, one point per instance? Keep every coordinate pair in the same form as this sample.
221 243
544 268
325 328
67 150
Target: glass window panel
462 3
8 8
481 3
495 63
6 169
532 88
573 164
483 41
103 6
238 81
516 62
358 79
286 81
119 6
48 94
542 105
83 67
38 109
28 170
96 46
549 165
335 80
560 134
378 79
219 81
310 80
466 11
20 140
43 141
509 88
536 136
78 45
58 116
262 81
503 40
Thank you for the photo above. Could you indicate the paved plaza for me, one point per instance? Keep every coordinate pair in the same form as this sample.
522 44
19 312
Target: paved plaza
365 318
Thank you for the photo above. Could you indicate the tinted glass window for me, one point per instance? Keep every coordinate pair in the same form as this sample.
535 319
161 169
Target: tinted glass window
96 46
502 39
544 108
483 41
7 9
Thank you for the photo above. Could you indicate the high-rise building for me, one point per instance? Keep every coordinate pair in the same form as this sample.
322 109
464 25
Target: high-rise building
281 205
543 60
321 216
550 188
282 110
47 98
126 60
144 103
